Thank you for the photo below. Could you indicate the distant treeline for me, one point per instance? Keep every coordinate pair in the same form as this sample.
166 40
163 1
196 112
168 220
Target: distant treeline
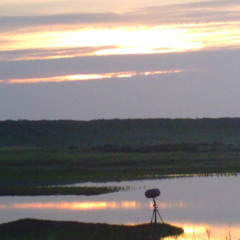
151 133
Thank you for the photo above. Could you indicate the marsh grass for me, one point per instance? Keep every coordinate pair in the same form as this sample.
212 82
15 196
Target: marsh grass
37 191
24 169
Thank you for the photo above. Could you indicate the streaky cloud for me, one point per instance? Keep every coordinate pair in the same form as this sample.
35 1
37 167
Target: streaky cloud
17 22
48 53
202 11
87 77
211 59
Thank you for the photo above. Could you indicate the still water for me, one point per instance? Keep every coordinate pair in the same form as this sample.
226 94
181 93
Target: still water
206 207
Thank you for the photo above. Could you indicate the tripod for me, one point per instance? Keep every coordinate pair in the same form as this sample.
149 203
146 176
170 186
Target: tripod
155 212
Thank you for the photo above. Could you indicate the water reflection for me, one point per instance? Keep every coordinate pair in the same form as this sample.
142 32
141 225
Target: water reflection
206 207
88 206
204 231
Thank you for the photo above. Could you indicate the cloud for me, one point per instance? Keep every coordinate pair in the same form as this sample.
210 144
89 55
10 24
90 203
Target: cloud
9 23
46 7
87 77
204 60
205 11
47 53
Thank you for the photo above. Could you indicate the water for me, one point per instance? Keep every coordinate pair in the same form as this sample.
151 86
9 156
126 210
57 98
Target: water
206 207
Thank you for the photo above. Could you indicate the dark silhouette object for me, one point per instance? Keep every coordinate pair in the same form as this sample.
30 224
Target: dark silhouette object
153 193
59 230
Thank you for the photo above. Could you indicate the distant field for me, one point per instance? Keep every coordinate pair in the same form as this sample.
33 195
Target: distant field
23 170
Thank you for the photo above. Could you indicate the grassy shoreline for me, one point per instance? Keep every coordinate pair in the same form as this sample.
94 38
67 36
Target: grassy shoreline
47 191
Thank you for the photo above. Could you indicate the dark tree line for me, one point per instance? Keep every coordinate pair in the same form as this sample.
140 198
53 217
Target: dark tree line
160 133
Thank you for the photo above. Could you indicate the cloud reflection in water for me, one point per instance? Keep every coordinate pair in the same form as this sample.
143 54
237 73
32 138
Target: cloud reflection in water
89 205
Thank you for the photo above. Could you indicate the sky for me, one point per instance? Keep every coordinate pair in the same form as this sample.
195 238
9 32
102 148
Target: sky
105 59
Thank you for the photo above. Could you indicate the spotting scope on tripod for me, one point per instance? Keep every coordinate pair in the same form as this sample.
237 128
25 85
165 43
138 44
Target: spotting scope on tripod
153 193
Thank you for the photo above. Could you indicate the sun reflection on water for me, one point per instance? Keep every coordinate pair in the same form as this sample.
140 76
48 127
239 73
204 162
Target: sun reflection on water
201 231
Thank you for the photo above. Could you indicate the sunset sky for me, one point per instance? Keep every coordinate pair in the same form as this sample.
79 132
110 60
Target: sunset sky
104 59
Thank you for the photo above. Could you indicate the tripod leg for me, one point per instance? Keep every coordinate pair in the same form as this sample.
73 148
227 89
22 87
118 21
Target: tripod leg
160 216
153 214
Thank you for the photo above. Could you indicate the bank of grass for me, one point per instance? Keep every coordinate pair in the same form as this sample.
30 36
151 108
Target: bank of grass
29 171
29 229
55 190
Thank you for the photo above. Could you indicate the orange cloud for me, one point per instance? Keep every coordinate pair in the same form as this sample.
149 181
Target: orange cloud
82 77
116 40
